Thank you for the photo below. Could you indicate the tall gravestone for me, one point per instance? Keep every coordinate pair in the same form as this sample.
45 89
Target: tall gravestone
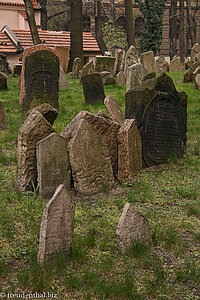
148 61
93 88
76 68
33 129
118 62
41 80
57 226
161 116
52 164
131 58
2 117
135 75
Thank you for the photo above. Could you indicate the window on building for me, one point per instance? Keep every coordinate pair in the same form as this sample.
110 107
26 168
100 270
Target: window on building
86 23
121 21
139 24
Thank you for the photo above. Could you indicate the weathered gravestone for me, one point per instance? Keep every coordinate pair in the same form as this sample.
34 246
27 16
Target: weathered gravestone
131 58
63 82
17 68
129 151
162 65
2 117
89 159
87 69
148 61
52 164
76 68
93 88
108 80
3 82
105 127
175 65
34 129
118 61
48 112
4 66
104 63
41 80
161 116
57 226
132 228
135 75
194 52
113 109
197 81
121 78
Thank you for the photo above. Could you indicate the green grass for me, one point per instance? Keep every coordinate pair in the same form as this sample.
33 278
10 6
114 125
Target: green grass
169 198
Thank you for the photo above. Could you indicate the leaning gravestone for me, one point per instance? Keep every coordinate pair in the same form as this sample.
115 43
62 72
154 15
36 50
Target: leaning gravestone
34 129
118 62
76 68
132 228
89 159
48 112
57 226
2 117
129 151
93 88
135 75
52 164
87 69
131 58
161 115
41 80
105 127
104 63
113 109
148 61
3 82
63 82
121 78
175 65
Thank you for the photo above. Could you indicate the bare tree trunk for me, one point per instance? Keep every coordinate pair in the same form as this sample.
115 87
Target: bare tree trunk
190 23
173 28
182 43
76 34
129 23
113 14
31 22
43 4
98 26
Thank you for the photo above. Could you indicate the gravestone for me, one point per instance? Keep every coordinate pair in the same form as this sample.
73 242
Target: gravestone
197 81
89 159
93 88
162 65
132 228
2 117
3 82
107 128
113 109
121 78
131 58
175 65
52 164
17 68
26 52
76 68
48 112
33 129
135 75
41 80
87 69
63 55
63 82
194 52
108 80
57 226
148 61
104 63
161 116
188 76
4 66
118 61
129 151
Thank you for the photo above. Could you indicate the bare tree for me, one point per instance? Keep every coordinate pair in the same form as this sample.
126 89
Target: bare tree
31 22
98 26
181 39
129 23
173 28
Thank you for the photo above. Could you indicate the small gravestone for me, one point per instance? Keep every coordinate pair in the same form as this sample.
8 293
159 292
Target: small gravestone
108 80
175 65
34 129
161 115
129 151
148 61
104 63
93 88
48 112
131 58
89 159
57 226
63 82
3 82
52 164
105 127
41 80
132 228
76 68
194 52
113 109
197 81
135 75
162 65
2 117
87 69
118 61
121 78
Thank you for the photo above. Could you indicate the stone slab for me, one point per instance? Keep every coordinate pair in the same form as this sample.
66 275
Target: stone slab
113 109
93 88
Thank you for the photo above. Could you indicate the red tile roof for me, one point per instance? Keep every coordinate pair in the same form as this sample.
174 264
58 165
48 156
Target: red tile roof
35 5
23 13
52 38
5 44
